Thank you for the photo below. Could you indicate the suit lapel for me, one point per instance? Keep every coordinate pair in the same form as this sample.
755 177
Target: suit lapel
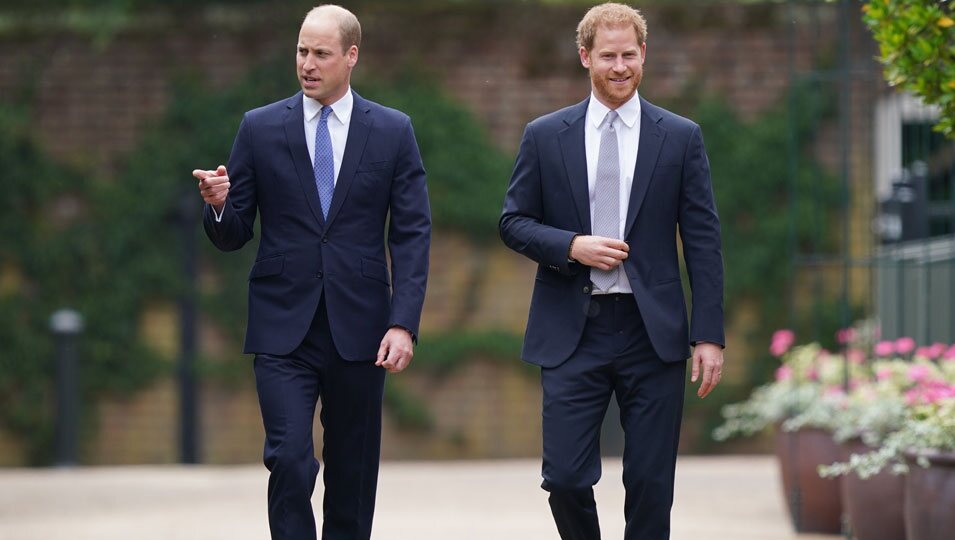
574 152
358 129
651 140
295 135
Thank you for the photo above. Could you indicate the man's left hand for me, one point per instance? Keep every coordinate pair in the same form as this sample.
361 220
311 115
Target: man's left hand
710 356
396 350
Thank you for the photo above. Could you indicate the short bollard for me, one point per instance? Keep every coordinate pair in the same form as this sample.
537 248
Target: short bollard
66 325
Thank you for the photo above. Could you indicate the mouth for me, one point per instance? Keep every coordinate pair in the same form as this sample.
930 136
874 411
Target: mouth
310 81
619 80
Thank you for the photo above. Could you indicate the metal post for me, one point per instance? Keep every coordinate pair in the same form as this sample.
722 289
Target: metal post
923 264
794 493
66 325
188 389
845 118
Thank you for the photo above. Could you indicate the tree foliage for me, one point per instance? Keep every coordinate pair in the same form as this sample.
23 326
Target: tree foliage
917 47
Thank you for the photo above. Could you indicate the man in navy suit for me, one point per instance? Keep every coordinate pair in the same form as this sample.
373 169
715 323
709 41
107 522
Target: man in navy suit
327 171
599 192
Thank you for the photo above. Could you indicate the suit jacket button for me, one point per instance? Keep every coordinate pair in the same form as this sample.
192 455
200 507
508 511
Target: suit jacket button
320 275
324 239
586 289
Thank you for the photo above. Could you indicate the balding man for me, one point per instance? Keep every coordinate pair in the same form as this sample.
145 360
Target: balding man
326 170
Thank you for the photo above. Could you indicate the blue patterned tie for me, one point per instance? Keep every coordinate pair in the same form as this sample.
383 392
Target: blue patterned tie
324 165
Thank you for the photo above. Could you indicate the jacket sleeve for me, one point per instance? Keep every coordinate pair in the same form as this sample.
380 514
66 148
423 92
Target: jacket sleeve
521 225
409 235
234 228
700 234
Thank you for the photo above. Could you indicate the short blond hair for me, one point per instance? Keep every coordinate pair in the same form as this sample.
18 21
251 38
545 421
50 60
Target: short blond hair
348 26
613 15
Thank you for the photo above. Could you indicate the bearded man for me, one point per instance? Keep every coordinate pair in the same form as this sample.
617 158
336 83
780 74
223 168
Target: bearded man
599 193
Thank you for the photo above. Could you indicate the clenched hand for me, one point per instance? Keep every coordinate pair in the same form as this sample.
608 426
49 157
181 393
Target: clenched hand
598 251
396 350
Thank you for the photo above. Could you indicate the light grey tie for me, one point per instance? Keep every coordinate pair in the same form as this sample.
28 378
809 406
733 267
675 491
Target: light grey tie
606 217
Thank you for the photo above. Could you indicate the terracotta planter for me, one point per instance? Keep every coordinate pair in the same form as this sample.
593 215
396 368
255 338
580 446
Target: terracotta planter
814 503
930 498
874 506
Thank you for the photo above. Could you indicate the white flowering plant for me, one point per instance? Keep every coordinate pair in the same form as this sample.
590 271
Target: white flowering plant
810 390
908 410
807 391
901 403
869 412
928 429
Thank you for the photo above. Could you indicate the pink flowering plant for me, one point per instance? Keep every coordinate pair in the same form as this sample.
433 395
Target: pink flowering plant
877 404
909 408
828 409
887 379
805 393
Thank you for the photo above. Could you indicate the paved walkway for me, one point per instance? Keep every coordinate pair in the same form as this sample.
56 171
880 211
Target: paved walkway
721 498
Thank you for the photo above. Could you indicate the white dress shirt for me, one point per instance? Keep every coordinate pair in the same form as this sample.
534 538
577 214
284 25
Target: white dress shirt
628 140
338 123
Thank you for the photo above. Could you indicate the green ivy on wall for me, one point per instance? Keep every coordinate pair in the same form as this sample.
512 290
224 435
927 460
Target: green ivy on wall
200 124
197 131
110 247
467 175
770 210
752 174
62 248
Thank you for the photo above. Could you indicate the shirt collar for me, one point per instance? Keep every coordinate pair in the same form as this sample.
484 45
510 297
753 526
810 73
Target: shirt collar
341 109
629 112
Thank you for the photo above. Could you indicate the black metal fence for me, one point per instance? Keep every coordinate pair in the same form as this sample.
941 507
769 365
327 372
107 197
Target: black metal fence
889 252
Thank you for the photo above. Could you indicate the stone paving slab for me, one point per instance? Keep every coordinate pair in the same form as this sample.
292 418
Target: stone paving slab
718 498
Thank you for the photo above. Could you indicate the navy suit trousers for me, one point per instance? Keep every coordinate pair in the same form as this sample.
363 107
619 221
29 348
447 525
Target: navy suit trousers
289 388
614 356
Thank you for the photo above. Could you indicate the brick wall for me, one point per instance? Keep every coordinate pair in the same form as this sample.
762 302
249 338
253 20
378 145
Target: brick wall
482 410
507 64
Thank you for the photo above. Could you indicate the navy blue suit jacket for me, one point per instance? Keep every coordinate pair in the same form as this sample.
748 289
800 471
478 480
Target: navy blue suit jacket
303 256
547 204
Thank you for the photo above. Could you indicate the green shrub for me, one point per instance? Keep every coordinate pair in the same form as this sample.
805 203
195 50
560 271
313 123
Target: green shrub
917 48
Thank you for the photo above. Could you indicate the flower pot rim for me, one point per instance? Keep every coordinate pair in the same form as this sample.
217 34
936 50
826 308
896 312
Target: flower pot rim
856 442
935 457
802 429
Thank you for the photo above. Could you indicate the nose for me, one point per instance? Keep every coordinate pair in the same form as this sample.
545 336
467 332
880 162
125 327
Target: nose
309 63
619 66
